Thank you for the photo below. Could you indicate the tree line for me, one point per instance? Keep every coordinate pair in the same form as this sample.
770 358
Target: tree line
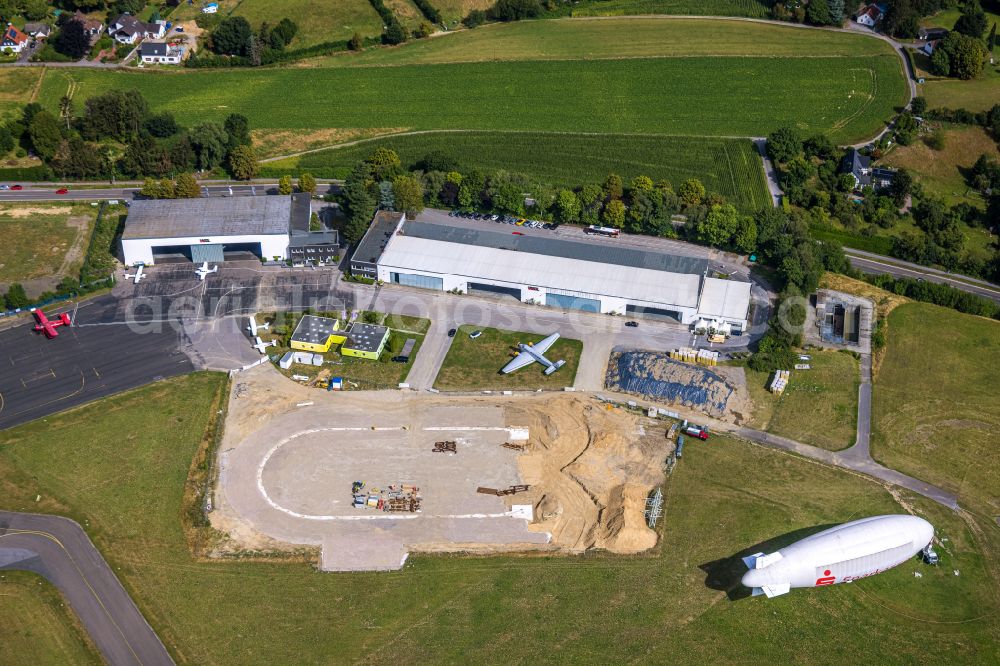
118 135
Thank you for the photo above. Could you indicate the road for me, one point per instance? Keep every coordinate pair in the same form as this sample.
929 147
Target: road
59 549
129 192
876 264
770 173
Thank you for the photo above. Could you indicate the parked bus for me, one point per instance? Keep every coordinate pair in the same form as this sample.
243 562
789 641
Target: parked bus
610 232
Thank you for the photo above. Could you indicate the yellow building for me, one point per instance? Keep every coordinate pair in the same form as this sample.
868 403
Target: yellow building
317 334
365 341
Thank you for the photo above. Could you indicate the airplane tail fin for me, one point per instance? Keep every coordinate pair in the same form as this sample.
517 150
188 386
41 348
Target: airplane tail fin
773 590
760 560
555 366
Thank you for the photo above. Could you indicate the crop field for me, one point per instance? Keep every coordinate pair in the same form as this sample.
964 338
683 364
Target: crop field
846 97
724 498
567 39
751 8
318 20
819 406
475 364
731 167
935 410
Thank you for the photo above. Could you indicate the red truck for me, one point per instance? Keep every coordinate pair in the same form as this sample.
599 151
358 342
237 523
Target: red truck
700 432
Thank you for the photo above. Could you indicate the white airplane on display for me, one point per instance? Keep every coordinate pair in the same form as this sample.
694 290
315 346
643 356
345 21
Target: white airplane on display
138 275
261 345
204 270
531 353
253 327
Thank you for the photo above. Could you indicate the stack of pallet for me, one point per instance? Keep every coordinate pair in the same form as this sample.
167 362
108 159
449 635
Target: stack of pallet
708 357
396 497
780 381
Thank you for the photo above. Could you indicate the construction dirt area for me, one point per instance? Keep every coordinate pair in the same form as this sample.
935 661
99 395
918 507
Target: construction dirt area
368 477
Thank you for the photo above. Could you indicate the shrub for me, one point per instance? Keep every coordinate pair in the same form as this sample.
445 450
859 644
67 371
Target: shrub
474 19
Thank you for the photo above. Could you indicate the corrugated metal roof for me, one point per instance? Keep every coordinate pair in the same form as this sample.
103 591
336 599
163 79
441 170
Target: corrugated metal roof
573 275
608 253
211 216
726 299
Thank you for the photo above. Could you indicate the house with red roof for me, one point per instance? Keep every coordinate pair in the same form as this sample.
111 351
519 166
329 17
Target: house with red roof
13 39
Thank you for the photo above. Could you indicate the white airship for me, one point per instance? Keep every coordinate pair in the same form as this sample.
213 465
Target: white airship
841 554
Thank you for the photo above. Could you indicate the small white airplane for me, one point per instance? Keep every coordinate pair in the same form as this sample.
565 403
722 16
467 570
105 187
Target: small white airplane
254 326
261 345
138 275
531 353
204 270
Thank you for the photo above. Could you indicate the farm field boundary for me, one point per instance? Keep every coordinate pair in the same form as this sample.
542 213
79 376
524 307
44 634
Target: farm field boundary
731 167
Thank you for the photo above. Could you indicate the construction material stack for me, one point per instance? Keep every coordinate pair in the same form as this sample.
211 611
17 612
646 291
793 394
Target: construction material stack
399 497
700 356
780 381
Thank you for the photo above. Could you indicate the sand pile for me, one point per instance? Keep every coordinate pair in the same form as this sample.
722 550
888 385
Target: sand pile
592 469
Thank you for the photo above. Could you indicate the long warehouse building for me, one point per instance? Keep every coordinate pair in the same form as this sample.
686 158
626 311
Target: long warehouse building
596 277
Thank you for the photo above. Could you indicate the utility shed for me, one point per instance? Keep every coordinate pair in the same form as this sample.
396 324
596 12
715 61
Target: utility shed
365 341
316 334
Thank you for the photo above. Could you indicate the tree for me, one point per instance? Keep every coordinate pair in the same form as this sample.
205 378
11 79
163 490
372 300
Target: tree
437 160
991 41
307 183
409 194
818 12
424 30
243 163
209 141
385 163
642 184
34 10
66 109
719 226
783 144
902 19
359 201
471 189
357 42
515 10
959 56
972 21
567 206
836 11
187 187
614 214
745 239
72 40
386 197
16 297
919 105
506 192
613 186
117 114
691 192
284 32
166 189
45 134
474 18
232 36
394 34
150 189
238 128
902 185
285 185
161 125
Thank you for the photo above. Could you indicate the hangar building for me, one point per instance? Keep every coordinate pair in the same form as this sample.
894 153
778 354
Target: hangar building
273 228
597 277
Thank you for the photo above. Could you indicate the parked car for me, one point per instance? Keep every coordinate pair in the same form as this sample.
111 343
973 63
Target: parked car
452 332
399 359
632 324
475 334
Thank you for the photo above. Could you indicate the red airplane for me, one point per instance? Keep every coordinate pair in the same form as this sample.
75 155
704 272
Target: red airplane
48 327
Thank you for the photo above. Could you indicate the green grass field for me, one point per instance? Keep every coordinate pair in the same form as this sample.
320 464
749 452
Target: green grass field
42 239
475 364
662 37
819 406
731 167
319 21
849 97
935 409
126 482
36 625
17 88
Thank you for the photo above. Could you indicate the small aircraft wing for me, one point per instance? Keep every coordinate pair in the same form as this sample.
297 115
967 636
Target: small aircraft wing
521 360
542 346
775 589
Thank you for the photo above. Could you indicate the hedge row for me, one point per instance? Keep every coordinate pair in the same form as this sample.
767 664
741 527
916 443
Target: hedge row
428 10
40 172
272 57
939 294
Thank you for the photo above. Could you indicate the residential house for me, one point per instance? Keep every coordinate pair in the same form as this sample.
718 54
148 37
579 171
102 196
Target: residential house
129 30
90 26
882 177
859 166
37 30
13 40
928 48
869 16
160 53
